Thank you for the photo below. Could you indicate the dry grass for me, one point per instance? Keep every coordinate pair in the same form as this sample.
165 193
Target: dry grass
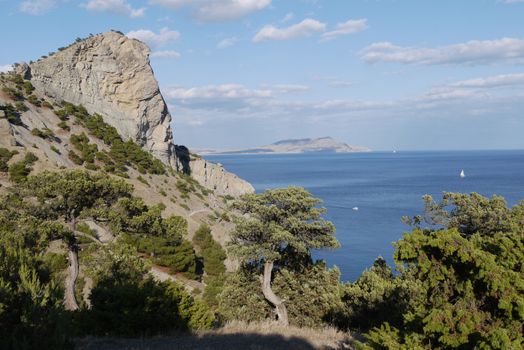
234 336
324 338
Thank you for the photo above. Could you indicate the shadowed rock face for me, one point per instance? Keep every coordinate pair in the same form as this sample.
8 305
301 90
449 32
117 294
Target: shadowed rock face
110 74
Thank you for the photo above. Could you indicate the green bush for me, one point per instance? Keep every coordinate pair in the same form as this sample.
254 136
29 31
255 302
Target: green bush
18 171
87 150
144 181
5 157
28 87
13 93
21 107
212 253
63 125
38 133
75 158
11 113
463 281
144 308
34 100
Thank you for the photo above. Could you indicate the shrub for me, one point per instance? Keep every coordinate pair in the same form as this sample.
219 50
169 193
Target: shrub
463 280
88 151
18 171
37 132
34 100
13 93
28 87
54 149
62 114
21 107
144 308
212 253
63 125
12 115
75 158
5 157
142 180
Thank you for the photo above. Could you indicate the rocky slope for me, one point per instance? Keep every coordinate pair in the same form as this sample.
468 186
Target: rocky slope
109 74
42 115
322 144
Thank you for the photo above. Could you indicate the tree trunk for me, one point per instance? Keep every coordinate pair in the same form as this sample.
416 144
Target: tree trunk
70 300
270 296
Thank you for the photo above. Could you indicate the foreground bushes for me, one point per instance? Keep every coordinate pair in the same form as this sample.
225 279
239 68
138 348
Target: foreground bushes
124 299
460 286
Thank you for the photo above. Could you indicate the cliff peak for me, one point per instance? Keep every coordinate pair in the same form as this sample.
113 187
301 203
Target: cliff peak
110 74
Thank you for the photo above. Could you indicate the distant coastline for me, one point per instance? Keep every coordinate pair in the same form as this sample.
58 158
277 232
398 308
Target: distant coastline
292 146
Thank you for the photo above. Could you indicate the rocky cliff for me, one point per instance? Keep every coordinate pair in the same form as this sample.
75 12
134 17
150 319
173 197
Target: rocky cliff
110 74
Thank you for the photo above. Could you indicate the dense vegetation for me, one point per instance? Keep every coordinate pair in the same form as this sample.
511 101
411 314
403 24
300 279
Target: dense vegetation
50 207
460 281
282 227
121 153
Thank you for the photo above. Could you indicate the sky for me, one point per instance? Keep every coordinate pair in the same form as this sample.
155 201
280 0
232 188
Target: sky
387 74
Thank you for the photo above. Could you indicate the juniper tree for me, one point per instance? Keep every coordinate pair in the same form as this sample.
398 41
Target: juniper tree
278 224
67 195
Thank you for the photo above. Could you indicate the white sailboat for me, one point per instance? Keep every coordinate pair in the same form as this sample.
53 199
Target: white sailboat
462 174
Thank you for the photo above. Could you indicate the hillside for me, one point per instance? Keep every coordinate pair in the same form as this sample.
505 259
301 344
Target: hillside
115 223
54 110
307 145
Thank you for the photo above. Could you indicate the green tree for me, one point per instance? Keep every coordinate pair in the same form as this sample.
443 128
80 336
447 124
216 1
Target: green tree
465 279
281 227
69 194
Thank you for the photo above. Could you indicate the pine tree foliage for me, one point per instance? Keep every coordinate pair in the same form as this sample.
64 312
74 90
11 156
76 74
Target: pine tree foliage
466 279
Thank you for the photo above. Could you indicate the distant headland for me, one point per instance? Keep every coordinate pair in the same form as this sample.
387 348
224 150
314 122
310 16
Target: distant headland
306 145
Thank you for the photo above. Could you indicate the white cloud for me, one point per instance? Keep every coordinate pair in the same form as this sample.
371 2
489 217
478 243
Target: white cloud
305 28
332 81
115 6
289 88
228 42
493 81
37 7
166 54
6 68
349 27
505 50
164 37
231 102
216 10
224 91
288 17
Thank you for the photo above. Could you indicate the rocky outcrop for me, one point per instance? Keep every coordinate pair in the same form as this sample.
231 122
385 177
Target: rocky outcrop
110 74
215 177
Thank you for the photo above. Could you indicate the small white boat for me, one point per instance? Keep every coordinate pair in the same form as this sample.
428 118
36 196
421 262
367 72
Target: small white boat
462 174
355 208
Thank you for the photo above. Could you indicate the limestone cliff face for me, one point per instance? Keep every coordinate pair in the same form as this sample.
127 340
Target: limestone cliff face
110 74
214 176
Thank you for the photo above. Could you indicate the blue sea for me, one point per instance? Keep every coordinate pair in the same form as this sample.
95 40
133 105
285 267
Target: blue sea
384 187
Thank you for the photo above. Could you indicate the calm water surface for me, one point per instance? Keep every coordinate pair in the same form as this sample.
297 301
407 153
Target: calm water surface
384 187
